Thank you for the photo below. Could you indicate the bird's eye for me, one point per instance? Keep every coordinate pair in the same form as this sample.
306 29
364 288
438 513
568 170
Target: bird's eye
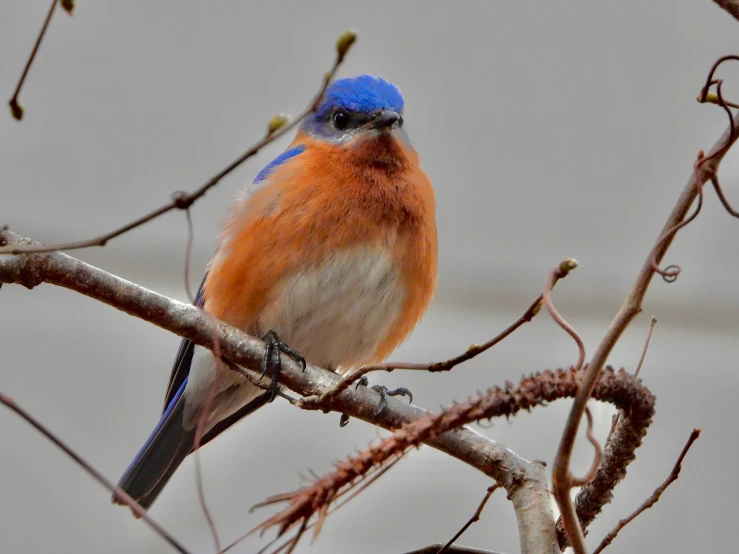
341 120
401 121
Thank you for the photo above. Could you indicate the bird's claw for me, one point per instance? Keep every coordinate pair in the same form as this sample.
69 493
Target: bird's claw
384 393
273 360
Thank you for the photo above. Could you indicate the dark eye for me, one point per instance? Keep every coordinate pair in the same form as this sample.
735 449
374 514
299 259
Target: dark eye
341 120
400 121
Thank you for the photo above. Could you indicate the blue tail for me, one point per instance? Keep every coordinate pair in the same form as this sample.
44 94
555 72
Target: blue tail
164 450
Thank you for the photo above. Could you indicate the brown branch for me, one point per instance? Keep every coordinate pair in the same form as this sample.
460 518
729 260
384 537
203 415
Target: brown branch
703 171
15 108
654 497
652 323
321 402
597 455
199 471
94 473
731 6
620 388
577 539
183 201
475 517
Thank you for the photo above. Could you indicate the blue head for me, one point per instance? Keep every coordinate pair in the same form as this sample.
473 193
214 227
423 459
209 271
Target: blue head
356 106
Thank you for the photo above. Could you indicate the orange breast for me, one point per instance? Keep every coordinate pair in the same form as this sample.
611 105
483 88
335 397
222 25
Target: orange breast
328 199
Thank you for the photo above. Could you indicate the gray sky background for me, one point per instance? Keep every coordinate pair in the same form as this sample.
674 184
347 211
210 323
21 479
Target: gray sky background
549 130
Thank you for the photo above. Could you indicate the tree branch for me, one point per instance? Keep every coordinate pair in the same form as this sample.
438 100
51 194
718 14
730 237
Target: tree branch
653 498
704 170
731 6
465 444
94 473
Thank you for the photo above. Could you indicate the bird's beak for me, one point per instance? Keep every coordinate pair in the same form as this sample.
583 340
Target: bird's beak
384 119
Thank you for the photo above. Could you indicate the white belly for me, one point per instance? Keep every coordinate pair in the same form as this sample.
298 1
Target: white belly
338 313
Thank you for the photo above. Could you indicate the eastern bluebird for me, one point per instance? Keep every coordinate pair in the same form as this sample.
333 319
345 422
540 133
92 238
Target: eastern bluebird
332 249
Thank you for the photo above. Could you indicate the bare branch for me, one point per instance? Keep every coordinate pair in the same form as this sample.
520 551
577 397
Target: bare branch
652 323
182 200
597 455
94 473
704 170
473 351
731 6
475 517
654 497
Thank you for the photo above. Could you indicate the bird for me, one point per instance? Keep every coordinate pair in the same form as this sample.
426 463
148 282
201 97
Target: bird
330 255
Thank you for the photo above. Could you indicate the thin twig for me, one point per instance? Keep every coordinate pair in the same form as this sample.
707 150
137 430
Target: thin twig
15 108
653 498
475 517
652 323
94 473
188 255
322 401
702 172
183 201
557 273
199 471
597 456
670 273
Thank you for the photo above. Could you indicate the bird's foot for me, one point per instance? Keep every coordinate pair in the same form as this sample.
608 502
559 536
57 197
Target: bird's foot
272 360
384 393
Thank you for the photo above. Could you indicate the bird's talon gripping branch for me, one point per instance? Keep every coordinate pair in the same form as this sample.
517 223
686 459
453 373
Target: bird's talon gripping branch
384 393
273 359
363 382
